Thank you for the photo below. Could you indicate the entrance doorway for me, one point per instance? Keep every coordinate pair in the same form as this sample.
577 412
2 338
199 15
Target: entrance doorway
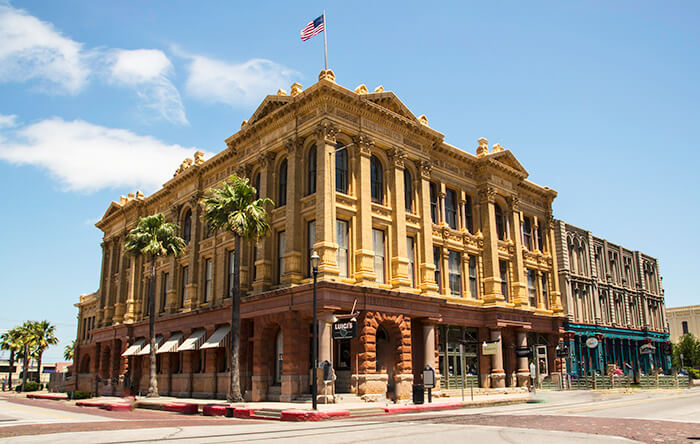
342 364
385 356
279 343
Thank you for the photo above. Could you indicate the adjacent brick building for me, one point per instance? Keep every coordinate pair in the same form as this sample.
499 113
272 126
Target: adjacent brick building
435 246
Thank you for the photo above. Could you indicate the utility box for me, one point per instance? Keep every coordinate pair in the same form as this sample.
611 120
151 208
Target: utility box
418 393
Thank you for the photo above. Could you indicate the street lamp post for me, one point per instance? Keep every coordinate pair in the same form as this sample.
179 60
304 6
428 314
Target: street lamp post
315 259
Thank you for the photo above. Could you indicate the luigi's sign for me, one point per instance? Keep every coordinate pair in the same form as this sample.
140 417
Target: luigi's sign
344 329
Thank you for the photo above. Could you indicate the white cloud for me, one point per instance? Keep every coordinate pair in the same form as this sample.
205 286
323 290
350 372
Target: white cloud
32 49
7 120
147 70
87 157
236 85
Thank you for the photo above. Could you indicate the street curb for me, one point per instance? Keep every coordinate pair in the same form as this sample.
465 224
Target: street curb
214 410
47 396
182 407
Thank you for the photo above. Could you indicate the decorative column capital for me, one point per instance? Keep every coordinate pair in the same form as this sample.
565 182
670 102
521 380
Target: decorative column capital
195 198
242 170
549 219
327 131
266 159
487 194
426 168
514 202
293 146
364 143
398 156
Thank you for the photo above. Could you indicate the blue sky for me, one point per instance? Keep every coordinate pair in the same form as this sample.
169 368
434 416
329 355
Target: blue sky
598 100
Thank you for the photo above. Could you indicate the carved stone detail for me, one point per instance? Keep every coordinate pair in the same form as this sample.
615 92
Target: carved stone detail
514 202
487 194
398 156
365 143
426 167
483 148
327 130
266 159
293 145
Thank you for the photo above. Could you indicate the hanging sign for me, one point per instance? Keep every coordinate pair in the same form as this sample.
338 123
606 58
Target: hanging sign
489 348
647 349
591 342
344 329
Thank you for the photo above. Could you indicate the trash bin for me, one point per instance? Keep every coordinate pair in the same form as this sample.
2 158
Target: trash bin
418 394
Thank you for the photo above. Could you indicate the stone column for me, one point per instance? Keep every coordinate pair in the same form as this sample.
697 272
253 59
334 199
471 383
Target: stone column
429 352
519 284
292 256
326 390
364 254
193 297
399 255
523 370
122 288
491 277
103 282
427 267
498 377
555 297
263 264
325 245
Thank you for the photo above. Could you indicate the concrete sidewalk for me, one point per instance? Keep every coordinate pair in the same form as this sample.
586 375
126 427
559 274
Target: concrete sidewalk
289 411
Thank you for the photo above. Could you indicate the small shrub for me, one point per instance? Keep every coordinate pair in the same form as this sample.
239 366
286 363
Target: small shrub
693 373
81 395
30 386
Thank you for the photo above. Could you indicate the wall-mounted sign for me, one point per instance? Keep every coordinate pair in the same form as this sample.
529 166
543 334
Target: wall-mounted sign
344 329
489 348
591 342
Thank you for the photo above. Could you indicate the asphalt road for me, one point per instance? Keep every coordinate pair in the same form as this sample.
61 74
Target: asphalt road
566 417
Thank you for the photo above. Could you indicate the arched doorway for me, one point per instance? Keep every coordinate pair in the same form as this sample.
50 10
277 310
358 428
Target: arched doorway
386 360
279 354
85 365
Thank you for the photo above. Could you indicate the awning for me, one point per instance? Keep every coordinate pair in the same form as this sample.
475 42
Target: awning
135 347
170 346
194 341
218 338
147 349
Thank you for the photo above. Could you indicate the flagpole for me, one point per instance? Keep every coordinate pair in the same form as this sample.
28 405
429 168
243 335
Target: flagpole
325 42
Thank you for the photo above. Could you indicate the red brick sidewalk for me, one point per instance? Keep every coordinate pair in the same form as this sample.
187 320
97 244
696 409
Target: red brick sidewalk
648 431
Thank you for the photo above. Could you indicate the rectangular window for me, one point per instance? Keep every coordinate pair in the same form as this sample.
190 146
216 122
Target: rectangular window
455 267
280 252
341 170
527 233
410 252
473 287
379 263
207 280
545 291
407 191
230 274
684 326
451 208
341 233
540 237
503 268
185 278
532 287
437 260
165 284
433 203
468 215
255 259
310 241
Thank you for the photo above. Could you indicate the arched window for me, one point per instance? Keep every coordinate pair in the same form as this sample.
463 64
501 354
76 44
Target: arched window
187 227
500 223
311 171
256 184
282 194
377 180
408 190
341 169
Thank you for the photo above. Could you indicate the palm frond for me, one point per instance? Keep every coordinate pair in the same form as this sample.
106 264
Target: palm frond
154 237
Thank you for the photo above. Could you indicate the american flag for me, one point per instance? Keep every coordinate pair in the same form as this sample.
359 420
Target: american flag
314 27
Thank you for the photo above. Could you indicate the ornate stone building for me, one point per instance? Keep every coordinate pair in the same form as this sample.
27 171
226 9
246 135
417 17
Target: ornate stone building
433 245
614 295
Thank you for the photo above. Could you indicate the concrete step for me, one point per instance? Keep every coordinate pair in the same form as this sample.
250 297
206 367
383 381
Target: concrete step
367 411
345 398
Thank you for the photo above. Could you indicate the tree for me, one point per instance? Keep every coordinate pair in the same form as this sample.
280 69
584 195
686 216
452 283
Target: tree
234 208
153 237
27 337
689 346
10 341
69 351
44 336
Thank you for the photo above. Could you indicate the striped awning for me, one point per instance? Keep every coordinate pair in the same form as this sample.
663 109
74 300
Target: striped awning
135 347
170 346
194 341
218 338
147 349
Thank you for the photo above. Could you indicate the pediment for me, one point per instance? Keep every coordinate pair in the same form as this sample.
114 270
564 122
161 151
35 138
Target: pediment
270 104
389 101
507 158
113 208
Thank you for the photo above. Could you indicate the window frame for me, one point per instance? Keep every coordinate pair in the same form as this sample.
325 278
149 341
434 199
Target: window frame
311 170
282 184
343 271
454 270
208 280
281 246
451 208
379 255
184 281
341 169
503 273
376 180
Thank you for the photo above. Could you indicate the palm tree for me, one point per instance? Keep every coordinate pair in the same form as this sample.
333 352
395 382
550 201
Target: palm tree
44 336
234 208
27 340
10 341
69 351
153 237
